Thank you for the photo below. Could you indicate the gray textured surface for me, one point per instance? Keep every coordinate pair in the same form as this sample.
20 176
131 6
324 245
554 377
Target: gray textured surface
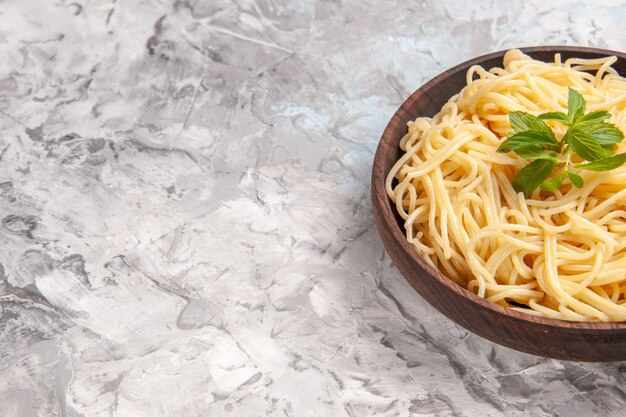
186 224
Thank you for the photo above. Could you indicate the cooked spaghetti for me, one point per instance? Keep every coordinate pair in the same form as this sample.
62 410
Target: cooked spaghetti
558 254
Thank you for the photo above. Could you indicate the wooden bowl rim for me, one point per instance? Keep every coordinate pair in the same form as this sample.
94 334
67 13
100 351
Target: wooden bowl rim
389 220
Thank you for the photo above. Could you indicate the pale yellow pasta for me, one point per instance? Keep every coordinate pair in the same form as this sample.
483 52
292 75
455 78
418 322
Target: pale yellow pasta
559 255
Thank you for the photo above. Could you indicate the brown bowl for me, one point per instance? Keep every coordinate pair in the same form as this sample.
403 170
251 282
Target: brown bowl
581 341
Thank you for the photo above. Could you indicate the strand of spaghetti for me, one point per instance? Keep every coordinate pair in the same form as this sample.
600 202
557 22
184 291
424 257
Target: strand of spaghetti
592 275
590 228
457 232
520 295
553 285
617 312
439 157
605 206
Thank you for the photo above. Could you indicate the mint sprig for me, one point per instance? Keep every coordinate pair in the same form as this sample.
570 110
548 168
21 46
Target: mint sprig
588 136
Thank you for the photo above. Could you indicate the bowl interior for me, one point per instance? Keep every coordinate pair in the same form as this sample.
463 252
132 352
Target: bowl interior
427 101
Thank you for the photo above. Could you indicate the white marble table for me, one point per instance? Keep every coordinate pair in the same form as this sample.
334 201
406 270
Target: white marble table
186 227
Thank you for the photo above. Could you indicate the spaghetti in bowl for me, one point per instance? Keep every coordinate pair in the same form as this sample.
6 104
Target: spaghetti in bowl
508 267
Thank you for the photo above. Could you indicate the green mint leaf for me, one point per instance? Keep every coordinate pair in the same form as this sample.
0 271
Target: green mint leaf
533 152
535 138
605 164
595 117
603 133
588 135
585 145
554 183
610 147
514 142
555 115
532 175
575 179
522 121
575 105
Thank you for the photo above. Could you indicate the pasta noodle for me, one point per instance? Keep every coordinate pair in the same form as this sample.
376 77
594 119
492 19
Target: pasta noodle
556 254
